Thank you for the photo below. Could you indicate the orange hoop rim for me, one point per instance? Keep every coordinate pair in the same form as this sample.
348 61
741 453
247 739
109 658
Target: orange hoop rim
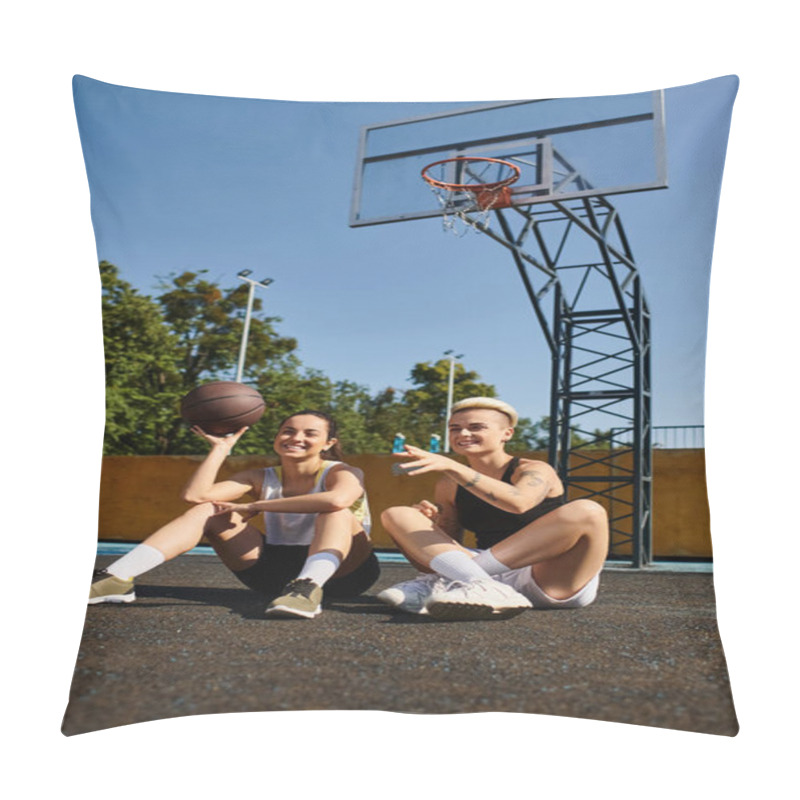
471 187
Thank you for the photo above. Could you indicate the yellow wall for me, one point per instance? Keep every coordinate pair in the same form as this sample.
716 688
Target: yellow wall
140 493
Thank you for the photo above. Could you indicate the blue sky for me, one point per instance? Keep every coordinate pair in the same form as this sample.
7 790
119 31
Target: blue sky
191 182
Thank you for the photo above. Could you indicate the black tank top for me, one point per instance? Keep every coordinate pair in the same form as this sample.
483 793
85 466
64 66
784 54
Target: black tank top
491 524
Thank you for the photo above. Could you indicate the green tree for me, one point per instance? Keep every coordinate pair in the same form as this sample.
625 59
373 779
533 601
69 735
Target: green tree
536 436
529 435
208 323
426 402
350 404
429 395
293 388
139 367
420 411
386 414
156 350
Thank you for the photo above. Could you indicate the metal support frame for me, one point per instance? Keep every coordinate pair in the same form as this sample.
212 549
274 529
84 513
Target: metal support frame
578 271
580 275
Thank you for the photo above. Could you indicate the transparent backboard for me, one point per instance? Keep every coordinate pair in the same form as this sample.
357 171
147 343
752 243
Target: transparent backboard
565 148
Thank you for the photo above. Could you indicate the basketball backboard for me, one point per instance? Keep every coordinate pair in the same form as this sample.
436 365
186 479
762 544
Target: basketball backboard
565 148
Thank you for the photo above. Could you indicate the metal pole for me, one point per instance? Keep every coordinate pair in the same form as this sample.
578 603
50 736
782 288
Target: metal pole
246 330
449 354
245 333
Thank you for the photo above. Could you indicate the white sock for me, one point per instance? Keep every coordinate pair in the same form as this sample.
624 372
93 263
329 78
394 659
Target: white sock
458 566
141 559
488 562
320 567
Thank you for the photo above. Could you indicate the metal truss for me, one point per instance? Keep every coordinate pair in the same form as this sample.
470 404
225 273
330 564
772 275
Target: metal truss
580 275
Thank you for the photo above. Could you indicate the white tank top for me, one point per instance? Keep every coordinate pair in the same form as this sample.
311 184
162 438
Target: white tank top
283 527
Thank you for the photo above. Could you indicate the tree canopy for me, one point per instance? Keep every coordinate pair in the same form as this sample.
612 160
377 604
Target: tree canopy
159 348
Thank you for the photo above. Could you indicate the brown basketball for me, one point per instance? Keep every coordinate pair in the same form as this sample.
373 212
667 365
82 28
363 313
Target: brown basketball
222 407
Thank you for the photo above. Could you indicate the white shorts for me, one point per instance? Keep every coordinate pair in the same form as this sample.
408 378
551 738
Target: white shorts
522 580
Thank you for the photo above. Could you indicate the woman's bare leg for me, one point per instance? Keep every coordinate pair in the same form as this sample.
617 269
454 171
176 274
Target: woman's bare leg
339 546
470 592
565 548
341 534
416 536
237 543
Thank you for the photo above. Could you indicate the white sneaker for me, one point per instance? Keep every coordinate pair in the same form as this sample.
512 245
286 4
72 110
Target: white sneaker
410 595
479 599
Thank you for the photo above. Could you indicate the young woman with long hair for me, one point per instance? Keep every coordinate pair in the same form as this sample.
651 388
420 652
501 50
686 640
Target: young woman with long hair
316 520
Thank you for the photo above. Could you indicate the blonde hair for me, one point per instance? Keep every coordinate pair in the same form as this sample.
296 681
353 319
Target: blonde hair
492 403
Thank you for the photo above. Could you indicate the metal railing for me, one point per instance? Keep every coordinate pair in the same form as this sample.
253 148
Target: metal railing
666 437
672 437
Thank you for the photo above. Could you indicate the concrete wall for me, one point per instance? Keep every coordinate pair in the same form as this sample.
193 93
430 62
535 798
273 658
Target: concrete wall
140 493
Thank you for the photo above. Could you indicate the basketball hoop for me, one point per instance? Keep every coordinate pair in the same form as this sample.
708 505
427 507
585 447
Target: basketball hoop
480 185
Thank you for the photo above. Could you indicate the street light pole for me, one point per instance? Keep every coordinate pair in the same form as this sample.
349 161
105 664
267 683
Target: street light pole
243 275
449 354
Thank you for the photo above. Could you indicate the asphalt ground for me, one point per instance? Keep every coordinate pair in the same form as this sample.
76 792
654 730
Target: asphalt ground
647 652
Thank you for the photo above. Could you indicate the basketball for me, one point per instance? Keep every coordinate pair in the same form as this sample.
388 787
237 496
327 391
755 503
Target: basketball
222 407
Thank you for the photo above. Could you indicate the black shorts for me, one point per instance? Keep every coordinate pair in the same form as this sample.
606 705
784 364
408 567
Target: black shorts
280 563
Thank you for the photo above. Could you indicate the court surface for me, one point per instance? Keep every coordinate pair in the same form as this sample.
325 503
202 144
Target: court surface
195 642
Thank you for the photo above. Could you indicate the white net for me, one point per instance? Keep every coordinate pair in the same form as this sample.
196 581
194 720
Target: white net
462 212
468 189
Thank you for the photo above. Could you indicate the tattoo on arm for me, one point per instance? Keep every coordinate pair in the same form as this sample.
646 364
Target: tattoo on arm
533 478
528 478
473 480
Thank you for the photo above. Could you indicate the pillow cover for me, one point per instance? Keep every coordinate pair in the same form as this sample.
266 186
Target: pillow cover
329 216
